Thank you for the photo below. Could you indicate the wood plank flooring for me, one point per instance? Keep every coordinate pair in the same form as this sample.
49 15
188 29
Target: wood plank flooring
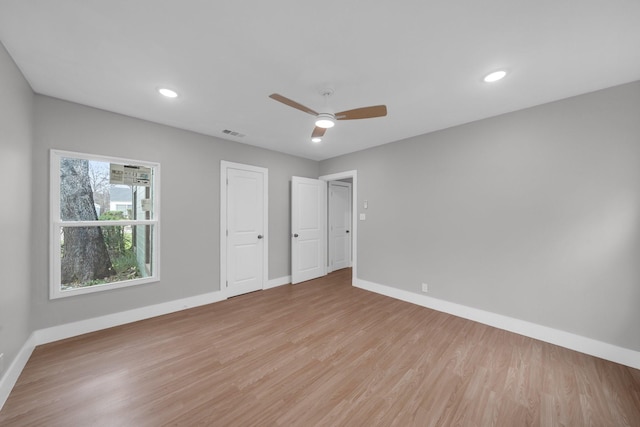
320 353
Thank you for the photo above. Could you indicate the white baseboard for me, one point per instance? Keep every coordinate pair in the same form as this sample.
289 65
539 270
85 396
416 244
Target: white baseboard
8 380
589 346
564 339
274 283
68 330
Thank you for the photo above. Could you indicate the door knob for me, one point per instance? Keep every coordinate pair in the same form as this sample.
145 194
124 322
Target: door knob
347 231
295 235
259 236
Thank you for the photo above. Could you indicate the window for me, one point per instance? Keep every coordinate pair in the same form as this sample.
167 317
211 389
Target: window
104 223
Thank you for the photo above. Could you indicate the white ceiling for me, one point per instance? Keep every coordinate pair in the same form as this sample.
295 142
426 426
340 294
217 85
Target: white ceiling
424 59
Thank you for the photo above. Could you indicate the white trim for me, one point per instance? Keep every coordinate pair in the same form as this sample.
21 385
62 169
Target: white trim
123 222
280 281
330 222
68 330
585 345
56 224
103 158
105 287
224 166
560 338
354 215
10 377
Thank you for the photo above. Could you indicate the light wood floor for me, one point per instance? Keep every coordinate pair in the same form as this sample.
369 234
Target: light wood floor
321 353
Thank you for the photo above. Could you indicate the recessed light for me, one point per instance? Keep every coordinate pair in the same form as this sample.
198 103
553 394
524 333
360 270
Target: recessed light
168 92
316 139
495 76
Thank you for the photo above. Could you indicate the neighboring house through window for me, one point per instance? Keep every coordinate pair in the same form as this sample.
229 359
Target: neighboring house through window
120 199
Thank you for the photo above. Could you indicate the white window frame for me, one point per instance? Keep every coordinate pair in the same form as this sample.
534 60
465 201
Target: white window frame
56 224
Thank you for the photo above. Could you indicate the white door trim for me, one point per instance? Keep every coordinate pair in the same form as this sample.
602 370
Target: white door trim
331 223
224 166
354 214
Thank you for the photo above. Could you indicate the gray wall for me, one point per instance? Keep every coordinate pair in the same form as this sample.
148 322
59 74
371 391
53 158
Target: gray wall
190 198
16 124
534 214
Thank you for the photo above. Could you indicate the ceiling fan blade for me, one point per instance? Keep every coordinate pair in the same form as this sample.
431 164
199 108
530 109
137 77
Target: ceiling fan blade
291 103
363 113
318 132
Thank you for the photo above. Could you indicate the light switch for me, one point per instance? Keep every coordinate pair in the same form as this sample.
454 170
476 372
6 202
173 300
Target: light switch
366 204
363 217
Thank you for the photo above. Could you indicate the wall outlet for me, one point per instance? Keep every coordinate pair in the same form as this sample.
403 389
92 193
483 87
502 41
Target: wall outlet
425 287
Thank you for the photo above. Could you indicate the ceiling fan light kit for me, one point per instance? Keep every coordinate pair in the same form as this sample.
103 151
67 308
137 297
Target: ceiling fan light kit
326 120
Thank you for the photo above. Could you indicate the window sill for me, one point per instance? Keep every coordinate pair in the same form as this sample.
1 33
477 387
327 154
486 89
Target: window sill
58 293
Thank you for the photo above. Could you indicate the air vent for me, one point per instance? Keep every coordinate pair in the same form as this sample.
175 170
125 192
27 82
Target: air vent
233 133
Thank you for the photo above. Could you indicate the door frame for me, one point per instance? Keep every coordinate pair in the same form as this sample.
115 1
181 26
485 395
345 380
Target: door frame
354 215
224 167
330 224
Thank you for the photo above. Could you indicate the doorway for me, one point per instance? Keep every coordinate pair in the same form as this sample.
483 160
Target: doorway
339 226
353 175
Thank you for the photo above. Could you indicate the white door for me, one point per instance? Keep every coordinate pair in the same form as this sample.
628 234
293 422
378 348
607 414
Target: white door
246 229
308 225
339 225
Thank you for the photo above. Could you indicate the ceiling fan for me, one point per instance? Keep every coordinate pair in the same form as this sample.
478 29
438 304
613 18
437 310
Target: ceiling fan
327 120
